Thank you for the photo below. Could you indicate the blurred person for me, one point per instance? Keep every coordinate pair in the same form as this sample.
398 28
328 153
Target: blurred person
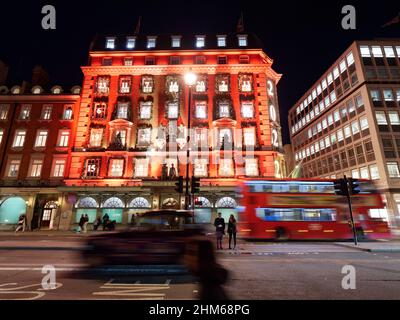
106 218
133 220
85 223
21 223
96 223
81 223
232 230
219 224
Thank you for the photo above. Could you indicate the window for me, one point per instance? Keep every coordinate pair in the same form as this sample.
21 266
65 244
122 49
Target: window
36 168
201 137
226 167
394 118
141 167
174 60
121 134
375 95
251 167
99 111
1 135
388 95
374 173
347 132
25 112
200 167
172 84
128 61
3 111
222 60
151 42
222 83
200 41
173 110
200 60
107 62
122 110
393 169
247 109
67 113
149 61
242 40
359 101
145 110
96 136
103 85
125 83
377 52
147 84
381 118
221 41
342 66
144 136
245 82
363 123
333 138
365 53
92 167
350 59
58 168
175 41
110 43
116 168
130 42
201 84
336 115
19 138
249 136
355 174
354 127
364 174
200 109
13 168
389 52
41 138
63 138
244 59
224 109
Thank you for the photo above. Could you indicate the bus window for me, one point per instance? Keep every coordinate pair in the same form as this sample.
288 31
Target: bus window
295 214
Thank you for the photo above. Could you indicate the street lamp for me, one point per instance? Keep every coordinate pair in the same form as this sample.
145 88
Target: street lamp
190 80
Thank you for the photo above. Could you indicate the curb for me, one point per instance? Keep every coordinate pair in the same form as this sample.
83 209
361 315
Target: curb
381 250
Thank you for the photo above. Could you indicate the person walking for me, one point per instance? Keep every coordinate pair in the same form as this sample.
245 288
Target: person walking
85 223
21 223
96 223
105 221
219 224
232 230
81 223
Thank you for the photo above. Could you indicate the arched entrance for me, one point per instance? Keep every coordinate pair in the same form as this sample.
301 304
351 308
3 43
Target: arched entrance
227 206
113 207
10 210
48 215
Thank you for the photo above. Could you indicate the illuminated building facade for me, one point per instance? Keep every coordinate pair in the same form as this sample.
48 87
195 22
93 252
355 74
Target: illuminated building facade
348 122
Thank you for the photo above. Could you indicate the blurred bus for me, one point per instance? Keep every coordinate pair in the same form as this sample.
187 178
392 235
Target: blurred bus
306 209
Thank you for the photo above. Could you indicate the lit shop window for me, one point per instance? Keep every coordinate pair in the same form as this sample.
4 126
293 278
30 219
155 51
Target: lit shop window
19 138
242 40
200 167
200 41
245 83
147 84
110 43
100 111
4 111
46 112
58 168
247 109
13 168
394 118
364 174
224 109
41 138
141 167
374 172
249 136
144 136
175 41
173 110
222 83
226 168
380 118
96 136
36 168
130 42
221 41
251 167
67 115
92 167
145 110
274 138
116 168
393 169
103 85
63 138
25 112
125 83
355 174
151 42
200 109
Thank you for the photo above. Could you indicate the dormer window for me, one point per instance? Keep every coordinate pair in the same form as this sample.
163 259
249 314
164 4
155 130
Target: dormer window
130 42
175 41
175 60
242 40
151 42
110 43
200 41
221 41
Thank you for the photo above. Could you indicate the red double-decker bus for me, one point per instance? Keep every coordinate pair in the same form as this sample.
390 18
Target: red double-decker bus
306 209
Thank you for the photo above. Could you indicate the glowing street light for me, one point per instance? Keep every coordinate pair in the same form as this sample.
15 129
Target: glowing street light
190 78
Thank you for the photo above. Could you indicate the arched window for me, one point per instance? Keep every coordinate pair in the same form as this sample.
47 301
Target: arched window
51 205
113 202
202 202
226 202
139 202
87 202
170 203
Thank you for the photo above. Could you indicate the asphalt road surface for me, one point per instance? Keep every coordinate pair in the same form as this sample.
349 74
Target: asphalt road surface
267 271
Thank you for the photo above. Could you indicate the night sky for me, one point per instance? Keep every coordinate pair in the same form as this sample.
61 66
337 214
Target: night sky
304 37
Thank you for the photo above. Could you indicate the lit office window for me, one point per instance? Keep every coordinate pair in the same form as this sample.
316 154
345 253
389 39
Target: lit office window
141 167
336 115
380 118
363 123
221 40
130 43
151 42
354 127
365 53
25 112
19 138
322 144
36 168
58 168
347 131
333 138
63 138
327 142
335 72
333 96
324 124
389 52
350 59
375 95
388 95
377 52
342 66
242 40
200 41
374 172
251 167
41 138
175 41
393 169
110 43
13 168
116 168
364 174
394 118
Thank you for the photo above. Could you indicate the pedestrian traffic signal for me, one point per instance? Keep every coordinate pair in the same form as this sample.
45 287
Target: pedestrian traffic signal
179 185
340 187
354 185
195 184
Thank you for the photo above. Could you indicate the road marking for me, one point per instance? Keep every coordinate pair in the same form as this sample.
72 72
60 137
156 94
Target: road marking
39 293
134 290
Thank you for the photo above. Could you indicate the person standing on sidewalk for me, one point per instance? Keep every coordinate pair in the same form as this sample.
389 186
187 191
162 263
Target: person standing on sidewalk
21 223
232 230
219 224
85 223
81 223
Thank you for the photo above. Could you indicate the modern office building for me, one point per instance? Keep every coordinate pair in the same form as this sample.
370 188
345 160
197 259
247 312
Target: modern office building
348 122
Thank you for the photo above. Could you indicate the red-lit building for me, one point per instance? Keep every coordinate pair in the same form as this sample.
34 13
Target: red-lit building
131 125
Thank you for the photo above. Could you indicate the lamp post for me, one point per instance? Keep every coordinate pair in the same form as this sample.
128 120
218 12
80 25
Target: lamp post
190 80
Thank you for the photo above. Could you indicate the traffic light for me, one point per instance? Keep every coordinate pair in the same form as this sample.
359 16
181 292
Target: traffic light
195 184
179 185
340 187
198 202
354 185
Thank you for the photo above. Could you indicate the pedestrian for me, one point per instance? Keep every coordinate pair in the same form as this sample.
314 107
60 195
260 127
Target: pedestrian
232 230
85 223
105 221
81 223
21 223
133 221
96 223
219 224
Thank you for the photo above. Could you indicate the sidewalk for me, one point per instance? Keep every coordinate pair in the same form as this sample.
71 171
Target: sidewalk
380 246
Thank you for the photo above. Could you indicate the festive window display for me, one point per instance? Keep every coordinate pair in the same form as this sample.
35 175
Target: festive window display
144 136
201 83
222 83
145 109
200 109
102 85
99 110
125 83
172 110
116 167
92 167
96 137
172 85
147 84
245 82
247 109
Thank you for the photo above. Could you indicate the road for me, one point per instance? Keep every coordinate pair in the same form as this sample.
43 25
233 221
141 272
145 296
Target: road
261 271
